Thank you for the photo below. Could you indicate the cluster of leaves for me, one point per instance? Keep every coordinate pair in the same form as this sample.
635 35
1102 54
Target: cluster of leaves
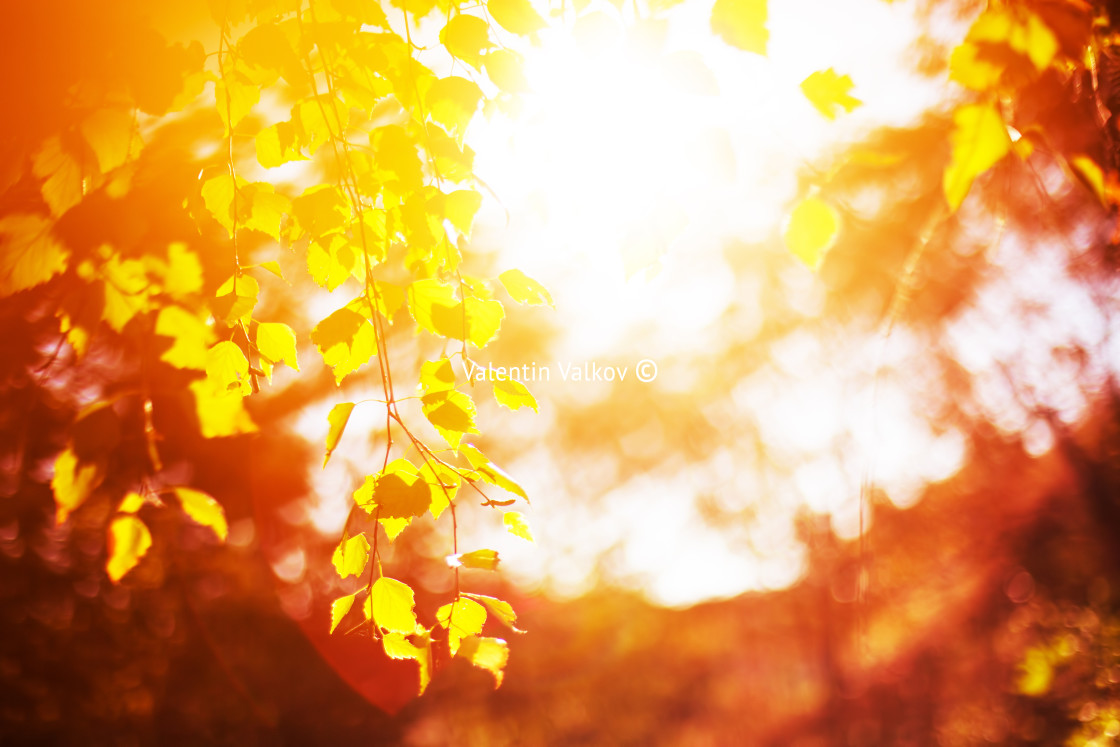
391 218
1014 54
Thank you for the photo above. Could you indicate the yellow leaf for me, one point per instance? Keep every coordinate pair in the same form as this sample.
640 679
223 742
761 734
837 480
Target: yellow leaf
742 24
131 503
218 194
266 208
346 340
513 394
490 654
61 173
982 59
126 290
485 560
829 92
499 609
29 253
112 136
192 336
397 646
461 207
390 605
516 525
443 482
204 510
524 289
184 271
462 618
396 158
811 230
398 492
516 16
235 299
505 70
490 472
979 141
351 555
452 413
228 369
437 376
277 343
1092 175
452 102
466 37
219 414
338 417
129 540
73 482
277 145
235 95
340 607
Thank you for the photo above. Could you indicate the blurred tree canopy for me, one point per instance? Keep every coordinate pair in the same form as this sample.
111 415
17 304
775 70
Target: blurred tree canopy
176 183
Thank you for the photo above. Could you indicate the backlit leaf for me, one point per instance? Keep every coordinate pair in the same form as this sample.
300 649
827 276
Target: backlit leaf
236 298
191 334
184 271
390 605
461 618
131 503
437 376
490 472
346 341
979 141
465 37
460 208
228 368
338 417
829 92
235 95
398 646
113 137
490 654
513 394
452 413
516 16
219 414
742 24
811 230
516 525
29 253
505 69
486 560
128 541
524 289
500 610
63 185
73 482
398 492
277 145
204 510
277 343
452 102
340 608
351 555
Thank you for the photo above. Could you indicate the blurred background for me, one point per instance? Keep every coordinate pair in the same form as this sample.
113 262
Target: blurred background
878 503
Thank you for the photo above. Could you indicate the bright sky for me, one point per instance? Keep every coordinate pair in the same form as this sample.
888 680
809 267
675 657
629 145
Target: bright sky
625 157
